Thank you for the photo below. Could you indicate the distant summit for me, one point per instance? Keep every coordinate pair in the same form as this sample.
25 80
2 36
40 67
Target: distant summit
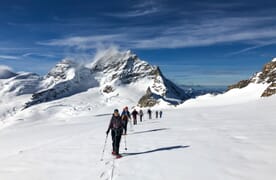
266 76
113 72
124 68
6 72
65 79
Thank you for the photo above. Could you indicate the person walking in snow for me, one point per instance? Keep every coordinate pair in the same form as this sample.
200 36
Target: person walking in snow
149 113
141 113
116 127
160 114
125 117
134 115
156 114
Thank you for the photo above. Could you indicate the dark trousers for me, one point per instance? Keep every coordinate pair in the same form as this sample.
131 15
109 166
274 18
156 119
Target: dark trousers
134 120
141 118
125 126
116 138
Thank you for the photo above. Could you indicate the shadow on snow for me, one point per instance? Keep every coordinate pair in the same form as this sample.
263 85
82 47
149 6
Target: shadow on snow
148 131
99 115
156 150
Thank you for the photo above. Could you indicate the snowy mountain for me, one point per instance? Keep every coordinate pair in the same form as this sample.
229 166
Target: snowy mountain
267 77
124 68
110 72
16 91
111 77
65 79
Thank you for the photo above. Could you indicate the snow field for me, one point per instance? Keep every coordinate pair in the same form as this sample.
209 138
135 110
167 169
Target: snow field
227 142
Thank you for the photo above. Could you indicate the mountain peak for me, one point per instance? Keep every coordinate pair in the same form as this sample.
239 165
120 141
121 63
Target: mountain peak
61 69
114 73
112 57
6 72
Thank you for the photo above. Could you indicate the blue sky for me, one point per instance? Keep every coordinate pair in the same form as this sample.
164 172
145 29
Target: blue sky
194 42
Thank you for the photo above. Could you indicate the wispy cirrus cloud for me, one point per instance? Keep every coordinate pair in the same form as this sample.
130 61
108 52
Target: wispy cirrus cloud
8 57
139 9
136 13
82 42
38 55
201 24
178 35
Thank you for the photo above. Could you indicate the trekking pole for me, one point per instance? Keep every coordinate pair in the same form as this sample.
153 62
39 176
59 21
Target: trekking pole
125 143
104 147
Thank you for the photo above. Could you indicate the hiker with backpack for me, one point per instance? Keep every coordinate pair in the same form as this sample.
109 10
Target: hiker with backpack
141 113
116 127
160 113
134 115
125 117
149 112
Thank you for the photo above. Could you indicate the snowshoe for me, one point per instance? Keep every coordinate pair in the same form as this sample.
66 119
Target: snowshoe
118 156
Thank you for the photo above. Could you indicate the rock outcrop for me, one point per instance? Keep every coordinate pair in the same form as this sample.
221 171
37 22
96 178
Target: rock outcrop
267 75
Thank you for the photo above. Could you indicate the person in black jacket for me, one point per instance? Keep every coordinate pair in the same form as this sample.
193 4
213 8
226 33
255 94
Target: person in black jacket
134 115
141 114
125 118
116 127
149 112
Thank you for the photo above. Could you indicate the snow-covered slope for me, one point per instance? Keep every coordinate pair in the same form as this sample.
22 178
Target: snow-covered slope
16 91
250 93
65 79
64 139
266 76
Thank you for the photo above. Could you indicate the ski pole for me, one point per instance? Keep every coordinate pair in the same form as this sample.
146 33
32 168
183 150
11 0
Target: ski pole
125 143
104 147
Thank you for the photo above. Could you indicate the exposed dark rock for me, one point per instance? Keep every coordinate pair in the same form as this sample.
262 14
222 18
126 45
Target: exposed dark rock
271 90
108 89
148 100
240 84
267 75
269 72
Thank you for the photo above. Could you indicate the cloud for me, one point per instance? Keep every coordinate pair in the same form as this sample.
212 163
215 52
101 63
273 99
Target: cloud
83 42
104 51
38 55
139 9
260 44
135 13
6 72
7 57
179 33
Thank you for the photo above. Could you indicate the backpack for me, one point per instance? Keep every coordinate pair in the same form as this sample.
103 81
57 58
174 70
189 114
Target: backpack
125 115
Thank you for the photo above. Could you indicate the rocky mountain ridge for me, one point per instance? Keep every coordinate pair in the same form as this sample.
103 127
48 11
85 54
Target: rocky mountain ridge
267 75
109 72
